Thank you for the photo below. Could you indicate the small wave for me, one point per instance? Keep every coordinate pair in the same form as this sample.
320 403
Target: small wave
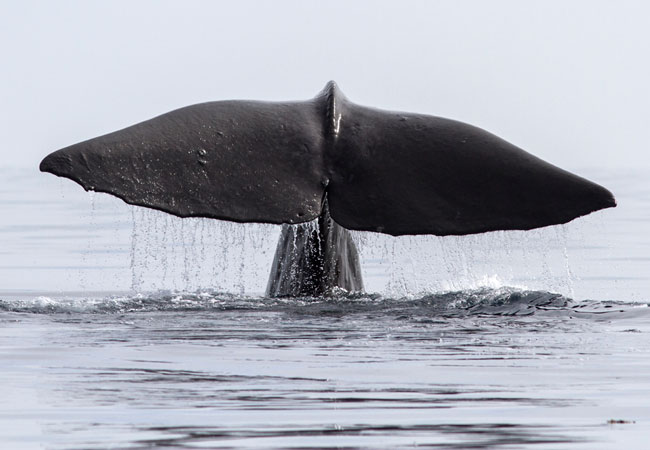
504 301
160 301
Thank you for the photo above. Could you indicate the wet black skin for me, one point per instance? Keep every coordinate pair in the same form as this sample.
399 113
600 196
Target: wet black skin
315 259
327 159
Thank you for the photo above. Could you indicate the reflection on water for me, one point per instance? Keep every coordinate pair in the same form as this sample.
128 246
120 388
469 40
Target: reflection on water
477 369
485 435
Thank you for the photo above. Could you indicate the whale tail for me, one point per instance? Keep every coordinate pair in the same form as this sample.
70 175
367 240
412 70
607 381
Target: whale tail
315 259
392 172
351 166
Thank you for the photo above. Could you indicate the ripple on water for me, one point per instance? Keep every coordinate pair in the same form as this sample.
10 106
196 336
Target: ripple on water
487 368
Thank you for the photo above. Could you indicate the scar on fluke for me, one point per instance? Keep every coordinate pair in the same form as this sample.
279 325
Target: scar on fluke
348 166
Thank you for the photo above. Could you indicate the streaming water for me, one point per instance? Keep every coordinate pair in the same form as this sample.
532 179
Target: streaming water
122 327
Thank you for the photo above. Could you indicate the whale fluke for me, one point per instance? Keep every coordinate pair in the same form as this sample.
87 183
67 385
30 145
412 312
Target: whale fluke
392 172
350 166
234 160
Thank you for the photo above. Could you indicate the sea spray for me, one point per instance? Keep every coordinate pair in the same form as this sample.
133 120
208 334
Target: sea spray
170 253
190 254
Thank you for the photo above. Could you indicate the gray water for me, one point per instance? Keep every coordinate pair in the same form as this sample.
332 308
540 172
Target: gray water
125 328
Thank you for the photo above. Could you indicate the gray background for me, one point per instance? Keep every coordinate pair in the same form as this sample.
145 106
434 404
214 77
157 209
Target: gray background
565 80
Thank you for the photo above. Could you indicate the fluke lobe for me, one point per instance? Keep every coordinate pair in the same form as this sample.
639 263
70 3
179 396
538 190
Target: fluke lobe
350 166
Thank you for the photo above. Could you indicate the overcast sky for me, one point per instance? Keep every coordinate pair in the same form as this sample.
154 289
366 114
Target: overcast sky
565 80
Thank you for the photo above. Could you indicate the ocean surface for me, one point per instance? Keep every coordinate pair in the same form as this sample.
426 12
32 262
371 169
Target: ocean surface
126 328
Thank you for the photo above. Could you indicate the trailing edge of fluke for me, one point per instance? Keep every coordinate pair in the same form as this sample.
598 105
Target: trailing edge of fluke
276 162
